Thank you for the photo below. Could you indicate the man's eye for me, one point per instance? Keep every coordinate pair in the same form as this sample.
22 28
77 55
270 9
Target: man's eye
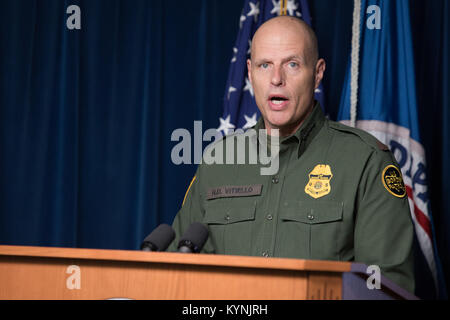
293 64
264 65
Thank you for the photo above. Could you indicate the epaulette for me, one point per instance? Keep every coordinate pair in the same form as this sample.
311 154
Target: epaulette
366 137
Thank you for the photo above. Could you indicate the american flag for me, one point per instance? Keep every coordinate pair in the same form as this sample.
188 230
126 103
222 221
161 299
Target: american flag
240 110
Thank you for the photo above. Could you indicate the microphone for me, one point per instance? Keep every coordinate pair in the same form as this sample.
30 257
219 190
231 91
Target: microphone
193 239
159 239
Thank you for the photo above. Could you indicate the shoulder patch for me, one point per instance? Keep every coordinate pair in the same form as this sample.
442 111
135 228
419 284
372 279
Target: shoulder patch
393 181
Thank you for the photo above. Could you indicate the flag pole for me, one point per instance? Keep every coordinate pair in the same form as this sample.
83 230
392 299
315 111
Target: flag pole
354 68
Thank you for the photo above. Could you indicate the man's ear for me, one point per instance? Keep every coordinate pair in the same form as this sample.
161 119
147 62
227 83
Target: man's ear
249 70
320 69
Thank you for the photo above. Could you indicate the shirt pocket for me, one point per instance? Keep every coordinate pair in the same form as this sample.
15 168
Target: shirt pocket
310 229
230 225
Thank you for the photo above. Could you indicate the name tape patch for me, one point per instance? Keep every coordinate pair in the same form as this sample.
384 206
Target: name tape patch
234 191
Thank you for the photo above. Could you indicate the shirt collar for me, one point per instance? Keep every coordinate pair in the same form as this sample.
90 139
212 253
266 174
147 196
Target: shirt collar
305 133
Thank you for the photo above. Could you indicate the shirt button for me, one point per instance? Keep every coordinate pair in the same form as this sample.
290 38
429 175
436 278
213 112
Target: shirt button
310 217
269 217
275 180
227 217
265 254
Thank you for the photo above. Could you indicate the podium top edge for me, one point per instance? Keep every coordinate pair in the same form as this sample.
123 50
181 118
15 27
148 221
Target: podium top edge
175 258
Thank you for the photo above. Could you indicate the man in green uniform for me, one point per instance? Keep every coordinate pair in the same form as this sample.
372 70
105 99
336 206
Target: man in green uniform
337 194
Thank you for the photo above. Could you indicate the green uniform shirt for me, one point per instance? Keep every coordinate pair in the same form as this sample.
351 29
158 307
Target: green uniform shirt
335 197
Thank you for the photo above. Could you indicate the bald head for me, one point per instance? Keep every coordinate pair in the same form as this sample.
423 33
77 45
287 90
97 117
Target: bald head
284 71
272 29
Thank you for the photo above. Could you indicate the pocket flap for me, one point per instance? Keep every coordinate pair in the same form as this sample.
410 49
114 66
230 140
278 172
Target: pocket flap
313 212
217 213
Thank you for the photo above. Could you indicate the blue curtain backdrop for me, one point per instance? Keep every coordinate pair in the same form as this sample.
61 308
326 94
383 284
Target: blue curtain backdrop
431 37
86 115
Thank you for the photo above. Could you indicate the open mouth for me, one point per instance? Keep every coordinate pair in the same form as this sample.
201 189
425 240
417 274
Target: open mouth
277 102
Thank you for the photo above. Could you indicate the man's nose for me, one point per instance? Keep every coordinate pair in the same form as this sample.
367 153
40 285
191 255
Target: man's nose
277 77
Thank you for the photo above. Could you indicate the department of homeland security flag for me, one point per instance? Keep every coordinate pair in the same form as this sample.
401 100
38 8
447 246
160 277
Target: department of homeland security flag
240 110
386 108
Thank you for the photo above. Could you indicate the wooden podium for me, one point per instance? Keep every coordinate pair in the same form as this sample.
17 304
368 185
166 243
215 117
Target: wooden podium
68 273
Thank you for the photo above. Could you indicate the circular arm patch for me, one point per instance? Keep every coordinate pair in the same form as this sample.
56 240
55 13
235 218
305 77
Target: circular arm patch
393 181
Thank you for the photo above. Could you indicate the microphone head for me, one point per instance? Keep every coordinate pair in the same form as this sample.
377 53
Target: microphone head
159 239
194 238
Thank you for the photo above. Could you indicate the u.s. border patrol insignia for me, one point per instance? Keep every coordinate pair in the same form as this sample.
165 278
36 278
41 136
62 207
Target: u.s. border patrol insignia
319 181
393 181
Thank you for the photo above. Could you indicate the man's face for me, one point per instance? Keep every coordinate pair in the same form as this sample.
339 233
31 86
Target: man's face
283 77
